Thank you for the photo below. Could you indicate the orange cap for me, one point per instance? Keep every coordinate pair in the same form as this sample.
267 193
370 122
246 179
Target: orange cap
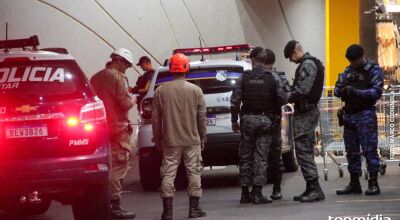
178 63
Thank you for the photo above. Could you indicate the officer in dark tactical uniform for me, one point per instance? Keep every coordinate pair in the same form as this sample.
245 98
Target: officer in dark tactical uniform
306 92
360 86
260 92
275 164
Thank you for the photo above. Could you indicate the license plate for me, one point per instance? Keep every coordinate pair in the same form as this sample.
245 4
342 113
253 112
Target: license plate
26 132
211 120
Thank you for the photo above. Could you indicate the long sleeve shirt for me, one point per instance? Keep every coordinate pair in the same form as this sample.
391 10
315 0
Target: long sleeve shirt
179 114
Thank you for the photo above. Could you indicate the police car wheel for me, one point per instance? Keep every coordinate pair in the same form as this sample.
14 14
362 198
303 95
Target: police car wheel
149 171
341 172
289 161
26 209
37 209
382 168
94 205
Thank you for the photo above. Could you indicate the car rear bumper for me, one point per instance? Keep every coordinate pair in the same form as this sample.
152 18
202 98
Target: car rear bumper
221 149
53 176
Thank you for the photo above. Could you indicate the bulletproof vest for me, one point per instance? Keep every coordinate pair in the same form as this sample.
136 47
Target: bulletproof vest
258 92
359 79
316 90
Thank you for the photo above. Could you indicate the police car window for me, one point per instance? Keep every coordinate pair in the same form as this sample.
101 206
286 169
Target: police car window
210 80
50 80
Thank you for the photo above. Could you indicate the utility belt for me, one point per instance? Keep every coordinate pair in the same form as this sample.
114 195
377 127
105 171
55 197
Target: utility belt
351 110
268 114
354 109
274 117
304 106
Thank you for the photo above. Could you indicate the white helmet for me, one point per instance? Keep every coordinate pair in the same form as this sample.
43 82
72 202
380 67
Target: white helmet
126 54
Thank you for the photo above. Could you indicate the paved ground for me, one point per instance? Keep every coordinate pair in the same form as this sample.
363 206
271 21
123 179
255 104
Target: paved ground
221 199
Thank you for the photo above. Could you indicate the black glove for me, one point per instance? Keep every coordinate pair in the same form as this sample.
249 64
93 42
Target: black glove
349 92
290 99
340 113
294 96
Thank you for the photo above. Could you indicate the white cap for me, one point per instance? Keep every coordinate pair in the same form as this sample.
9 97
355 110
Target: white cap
126 54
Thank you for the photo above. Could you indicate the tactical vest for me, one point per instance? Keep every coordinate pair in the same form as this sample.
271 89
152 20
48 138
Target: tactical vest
258 92
359 79
316 90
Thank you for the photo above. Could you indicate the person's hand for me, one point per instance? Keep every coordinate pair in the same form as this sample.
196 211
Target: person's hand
348 92
158 144
203 145
290 97
235 127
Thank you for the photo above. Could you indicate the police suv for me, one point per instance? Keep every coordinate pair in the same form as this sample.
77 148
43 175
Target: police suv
53 133
217 78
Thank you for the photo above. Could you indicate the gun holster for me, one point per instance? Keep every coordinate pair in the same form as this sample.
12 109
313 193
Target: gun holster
340 114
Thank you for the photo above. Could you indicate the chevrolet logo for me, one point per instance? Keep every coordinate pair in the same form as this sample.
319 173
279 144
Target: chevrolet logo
26 109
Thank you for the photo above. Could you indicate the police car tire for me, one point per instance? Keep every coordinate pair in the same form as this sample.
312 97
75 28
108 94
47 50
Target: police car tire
15 208
149 171
95 205
289 161
36 209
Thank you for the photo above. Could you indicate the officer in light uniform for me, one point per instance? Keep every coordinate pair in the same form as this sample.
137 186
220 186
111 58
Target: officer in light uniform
179 130
110 85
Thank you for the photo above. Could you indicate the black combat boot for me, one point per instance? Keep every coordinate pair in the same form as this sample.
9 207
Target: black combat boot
119 213
315 194
258 197
276 192
373 187
354 186
308 190
168 207
194 209
246 196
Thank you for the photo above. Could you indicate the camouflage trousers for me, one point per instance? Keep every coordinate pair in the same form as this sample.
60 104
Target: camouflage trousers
305 124
256 138
361 129
172 157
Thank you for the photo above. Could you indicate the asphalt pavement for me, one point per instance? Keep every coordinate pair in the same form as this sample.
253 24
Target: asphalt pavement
222 194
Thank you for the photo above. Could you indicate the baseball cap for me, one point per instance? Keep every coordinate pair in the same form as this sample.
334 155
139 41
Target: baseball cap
143 59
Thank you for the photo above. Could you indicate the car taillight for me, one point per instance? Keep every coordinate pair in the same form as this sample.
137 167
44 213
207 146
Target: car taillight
145 109
72 121
88 127
93 112
89 115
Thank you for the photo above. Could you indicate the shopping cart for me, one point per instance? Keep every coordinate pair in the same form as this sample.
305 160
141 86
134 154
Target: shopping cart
331 134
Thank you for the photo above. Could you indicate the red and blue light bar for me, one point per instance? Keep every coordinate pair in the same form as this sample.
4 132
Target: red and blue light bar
20 43
213 50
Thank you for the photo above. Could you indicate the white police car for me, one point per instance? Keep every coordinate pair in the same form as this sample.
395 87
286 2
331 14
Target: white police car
217 79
